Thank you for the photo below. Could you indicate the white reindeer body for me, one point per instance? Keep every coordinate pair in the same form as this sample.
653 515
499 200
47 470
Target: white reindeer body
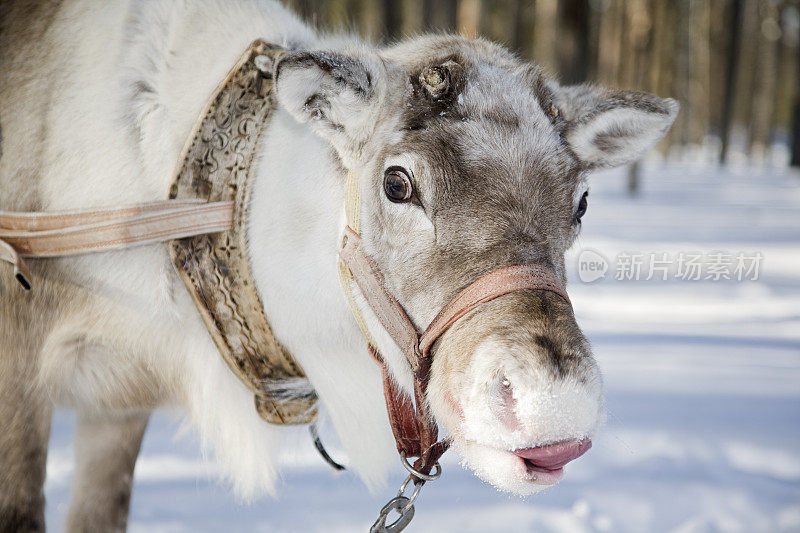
112 142
117 91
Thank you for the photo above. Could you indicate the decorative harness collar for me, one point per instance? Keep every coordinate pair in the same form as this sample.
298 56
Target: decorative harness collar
216 165
205 224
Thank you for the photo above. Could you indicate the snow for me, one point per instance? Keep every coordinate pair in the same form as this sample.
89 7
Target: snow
703 393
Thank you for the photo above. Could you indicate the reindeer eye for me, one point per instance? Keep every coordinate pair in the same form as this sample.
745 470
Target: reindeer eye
397 185
583 205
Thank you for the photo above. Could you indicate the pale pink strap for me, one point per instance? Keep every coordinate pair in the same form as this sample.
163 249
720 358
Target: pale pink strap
390 313
79 232
120 229
49 220
486 288
395 320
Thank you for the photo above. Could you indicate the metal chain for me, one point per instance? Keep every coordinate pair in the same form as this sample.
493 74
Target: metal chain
401 504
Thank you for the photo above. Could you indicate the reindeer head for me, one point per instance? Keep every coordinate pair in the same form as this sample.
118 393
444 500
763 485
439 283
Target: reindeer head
468 161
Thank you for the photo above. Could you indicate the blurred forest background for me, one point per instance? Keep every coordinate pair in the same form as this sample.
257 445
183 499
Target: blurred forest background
733 64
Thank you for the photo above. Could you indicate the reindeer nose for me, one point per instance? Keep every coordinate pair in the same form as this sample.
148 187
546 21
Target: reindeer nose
549 458
506 410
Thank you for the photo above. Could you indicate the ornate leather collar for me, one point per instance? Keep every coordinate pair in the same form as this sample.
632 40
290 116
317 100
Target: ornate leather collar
216 165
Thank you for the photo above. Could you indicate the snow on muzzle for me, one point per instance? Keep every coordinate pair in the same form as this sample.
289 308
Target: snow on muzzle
518 391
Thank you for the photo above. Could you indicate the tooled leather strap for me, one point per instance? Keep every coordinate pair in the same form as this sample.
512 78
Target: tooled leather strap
219 162
61 233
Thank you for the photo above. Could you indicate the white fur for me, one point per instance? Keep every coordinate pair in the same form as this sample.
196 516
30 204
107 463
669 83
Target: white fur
111 145
294 246
131 82
549 410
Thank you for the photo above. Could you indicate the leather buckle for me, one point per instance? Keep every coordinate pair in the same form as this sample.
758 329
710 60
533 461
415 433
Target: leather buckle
21 272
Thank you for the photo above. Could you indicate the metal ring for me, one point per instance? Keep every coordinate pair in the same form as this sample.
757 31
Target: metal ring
419 475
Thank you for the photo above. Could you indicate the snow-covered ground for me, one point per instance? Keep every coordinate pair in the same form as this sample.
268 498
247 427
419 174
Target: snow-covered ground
703 390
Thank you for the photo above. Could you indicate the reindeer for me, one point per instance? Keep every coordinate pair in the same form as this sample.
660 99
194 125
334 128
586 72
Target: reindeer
96 99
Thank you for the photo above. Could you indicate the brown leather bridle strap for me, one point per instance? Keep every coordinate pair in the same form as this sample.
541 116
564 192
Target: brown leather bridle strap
413 426
400 409
415 431
63 233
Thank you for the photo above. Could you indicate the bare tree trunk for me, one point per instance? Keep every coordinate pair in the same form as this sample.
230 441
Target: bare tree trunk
371 20
788 73
719 31
440 14
307 11
593 41
499 22
795 161
527 30
634 181
518 22
764 84
681 68
699 78
660 81
746 73
449 14
391 19
412 17
572 51
337 14
734 47
427 14
469 17
544 35
639 40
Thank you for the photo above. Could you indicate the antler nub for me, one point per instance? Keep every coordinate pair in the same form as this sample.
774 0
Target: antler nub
436 81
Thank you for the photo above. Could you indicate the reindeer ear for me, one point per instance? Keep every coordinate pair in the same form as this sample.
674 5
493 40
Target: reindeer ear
608 128
338 94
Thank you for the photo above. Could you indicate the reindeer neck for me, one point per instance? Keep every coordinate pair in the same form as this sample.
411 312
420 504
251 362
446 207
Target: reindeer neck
296 219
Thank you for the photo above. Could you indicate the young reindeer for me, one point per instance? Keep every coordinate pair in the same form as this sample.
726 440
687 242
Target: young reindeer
468 160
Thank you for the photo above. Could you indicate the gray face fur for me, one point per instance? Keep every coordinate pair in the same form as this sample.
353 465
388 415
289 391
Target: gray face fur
497 155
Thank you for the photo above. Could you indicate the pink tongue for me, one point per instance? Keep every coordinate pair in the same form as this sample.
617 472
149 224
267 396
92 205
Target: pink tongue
554 456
